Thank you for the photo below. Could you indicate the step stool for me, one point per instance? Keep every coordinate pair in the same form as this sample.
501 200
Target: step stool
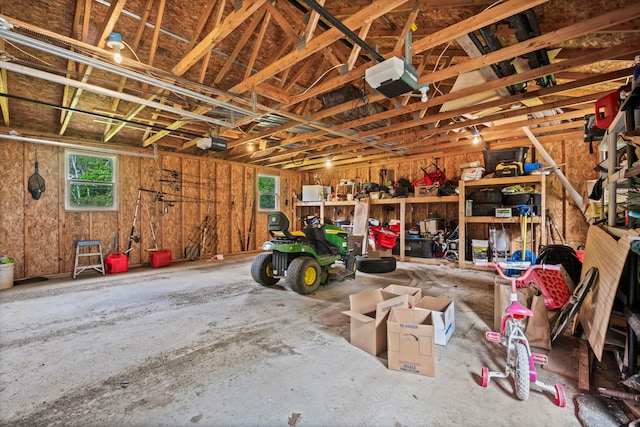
89 245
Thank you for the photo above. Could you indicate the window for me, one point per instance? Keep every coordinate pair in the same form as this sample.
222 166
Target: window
267 192
91 181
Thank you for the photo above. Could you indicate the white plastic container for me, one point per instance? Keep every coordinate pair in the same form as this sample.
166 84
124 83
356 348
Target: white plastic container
6 275
480 250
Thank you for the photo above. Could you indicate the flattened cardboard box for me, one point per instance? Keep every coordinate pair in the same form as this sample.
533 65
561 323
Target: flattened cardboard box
410 341
368 313
415 294
444 318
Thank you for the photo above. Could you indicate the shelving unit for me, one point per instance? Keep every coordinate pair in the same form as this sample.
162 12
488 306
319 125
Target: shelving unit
627 119
538 181
401 202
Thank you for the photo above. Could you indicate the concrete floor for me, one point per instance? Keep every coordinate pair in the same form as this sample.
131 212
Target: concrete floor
201 343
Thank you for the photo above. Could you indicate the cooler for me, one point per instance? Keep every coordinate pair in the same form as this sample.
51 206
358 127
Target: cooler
160 258
116 262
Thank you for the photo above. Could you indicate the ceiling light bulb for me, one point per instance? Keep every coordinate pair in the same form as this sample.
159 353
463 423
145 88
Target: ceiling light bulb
250 146
114 41
328 162
117 56
476 135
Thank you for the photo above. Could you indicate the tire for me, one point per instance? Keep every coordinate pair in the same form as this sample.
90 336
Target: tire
517 199
303 275
376 265
484 209
262 270
489 196
571 308
522 379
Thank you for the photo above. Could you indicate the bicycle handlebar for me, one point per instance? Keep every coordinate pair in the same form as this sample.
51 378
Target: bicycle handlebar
526 272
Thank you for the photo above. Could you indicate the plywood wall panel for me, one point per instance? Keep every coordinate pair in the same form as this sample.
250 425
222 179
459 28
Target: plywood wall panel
170 226
13 193
239 206
41 216
226 224
128 186
193 201
208 192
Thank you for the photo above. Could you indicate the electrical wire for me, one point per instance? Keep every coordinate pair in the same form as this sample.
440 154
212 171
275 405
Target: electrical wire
27 53
320 78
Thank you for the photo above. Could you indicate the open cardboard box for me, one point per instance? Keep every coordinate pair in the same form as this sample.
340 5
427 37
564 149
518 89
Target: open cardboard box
415 294
368 312
444 319
410 335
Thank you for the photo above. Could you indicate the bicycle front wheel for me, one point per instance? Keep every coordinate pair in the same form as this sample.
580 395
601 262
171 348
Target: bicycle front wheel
522 378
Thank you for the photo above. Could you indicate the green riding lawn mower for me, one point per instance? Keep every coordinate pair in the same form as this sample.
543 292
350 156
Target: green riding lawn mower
306 259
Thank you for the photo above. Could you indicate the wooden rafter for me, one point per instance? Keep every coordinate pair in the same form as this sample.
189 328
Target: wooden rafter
258 44
366 14
355 52
4 101
230 23
107 27
134 111
240 45
66 93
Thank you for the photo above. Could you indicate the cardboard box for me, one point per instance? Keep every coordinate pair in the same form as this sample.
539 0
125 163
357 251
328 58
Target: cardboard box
415 294
425 190
444 317
380 253
410 341
368 312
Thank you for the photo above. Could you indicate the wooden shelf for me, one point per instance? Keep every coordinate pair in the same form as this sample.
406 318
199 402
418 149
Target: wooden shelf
539 181
503 182
490 219
402 201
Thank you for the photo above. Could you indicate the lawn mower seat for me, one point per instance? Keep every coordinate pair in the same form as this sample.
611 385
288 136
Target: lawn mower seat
317 238
279 227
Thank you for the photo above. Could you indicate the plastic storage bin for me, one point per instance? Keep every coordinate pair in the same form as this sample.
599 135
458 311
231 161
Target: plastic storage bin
116 262
160 258
493 157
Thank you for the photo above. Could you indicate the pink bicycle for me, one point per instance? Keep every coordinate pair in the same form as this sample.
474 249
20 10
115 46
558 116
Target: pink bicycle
520 360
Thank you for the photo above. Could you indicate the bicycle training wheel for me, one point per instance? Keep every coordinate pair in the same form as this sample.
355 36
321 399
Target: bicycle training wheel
522 379
571 308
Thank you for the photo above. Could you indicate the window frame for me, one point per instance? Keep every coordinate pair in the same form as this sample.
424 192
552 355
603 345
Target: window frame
276 192
68 182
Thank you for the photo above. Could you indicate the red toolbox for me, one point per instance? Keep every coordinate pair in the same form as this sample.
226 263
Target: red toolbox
160 258
116 262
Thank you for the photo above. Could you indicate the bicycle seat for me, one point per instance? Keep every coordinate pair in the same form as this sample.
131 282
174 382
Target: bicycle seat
518 309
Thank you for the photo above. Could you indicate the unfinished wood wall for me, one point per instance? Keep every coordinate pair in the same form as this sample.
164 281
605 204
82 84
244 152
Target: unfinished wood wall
40 235
573 154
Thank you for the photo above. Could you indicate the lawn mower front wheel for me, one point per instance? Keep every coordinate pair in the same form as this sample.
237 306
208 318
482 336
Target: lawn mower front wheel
262 269
303 275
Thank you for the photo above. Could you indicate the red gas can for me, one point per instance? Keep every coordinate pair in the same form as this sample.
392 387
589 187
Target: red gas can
160 258
606 109
116 262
